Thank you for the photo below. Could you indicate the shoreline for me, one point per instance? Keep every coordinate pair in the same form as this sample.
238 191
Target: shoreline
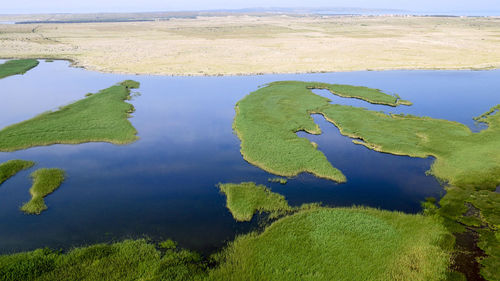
75 64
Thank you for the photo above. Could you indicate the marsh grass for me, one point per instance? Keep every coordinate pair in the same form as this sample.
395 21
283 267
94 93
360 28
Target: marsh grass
267 121
245 199
374 96
14 67
10 168
468 162
129 260
45 181
339 244
101 117
315 243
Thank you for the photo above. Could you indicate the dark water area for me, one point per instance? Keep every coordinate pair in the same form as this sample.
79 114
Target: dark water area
164 185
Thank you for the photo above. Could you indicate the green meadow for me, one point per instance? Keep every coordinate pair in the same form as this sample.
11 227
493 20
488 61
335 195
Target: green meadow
101 117
12 167
14 67
340 244
45 181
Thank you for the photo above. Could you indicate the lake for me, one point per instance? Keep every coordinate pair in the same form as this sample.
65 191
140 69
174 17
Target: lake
164 185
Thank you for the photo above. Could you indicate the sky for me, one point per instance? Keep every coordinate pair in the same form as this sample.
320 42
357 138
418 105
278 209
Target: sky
92 6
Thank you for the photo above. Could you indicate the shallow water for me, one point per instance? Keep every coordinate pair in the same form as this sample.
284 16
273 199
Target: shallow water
163 185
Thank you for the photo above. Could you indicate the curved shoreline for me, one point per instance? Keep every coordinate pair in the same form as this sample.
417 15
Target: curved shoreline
111 123
73 62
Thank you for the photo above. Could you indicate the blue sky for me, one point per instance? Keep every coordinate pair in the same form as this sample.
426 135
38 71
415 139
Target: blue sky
44 6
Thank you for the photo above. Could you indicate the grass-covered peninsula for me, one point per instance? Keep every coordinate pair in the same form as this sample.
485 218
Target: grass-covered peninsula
14 67
267 120
246 198
10 168
370 95
101 117
340 244
45 181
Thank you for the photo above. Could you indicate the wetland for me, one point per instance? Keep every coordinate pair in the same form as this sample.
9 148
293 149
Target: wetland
180 145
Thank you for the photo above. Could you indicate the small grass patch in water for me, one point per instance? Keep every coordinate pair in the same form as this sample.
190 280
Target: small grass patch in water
14 67
246 198
10 168
45 181
278 180
101 117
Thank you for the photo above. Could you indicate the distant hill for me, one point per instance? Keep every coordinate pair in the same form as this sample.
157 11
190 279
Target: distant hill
167 15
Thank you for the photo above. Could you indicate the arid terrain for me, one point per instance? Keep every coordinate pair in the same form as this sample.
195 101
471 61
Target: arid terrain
233 45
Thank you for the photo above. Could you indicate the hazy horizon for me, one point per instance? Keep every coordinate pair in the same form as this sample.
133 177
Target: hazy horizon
484 7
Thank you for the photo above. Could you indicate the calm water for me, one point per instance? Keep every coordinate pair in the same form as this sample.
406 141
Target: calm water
163 185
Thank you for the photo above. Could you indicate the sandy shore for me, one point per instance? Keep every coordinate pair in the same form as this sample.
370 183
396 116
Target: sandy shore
240 45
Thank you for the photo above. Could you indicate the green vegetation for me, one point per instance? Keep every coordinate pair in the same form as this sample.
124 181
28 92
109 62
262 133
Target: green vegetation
168 244
101 117
340 244
14 67
267 120
468 162
45 181
127 260
246 198
278 180
463 158
10 168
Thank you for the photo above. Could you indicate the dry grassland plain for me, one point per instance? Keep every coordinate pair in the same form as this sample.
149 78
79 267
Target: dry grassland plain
234 45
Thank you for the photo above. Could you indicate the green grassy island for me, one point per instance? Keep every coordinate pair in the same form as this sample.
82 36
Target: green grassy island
45 181
10 168
14 67
266 122
101 117
246 198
